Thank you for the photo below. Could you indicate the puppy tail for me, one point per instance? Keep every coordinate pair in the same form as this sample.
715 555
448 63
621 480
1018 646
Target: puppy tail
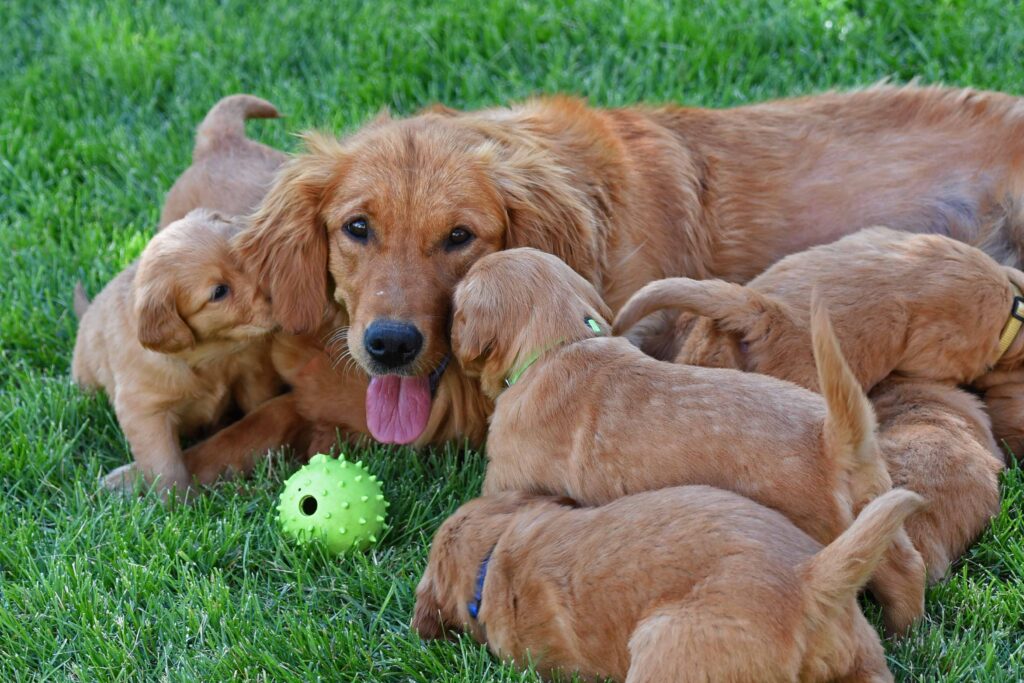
80 300
841 569
733 307
226 120
850 425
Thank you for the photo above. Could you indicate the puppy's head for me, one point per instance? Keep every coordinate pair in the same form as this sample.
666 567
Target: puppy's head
189 288
387 221
516 304
460 545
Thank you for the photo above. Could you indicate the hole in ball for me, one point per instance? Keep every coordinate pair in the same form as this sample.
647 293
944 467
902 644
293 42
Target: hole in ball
308 505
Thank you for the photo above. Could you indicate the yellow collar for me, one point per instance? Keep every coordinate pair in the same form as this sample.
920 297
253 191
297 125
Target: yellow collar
1012 327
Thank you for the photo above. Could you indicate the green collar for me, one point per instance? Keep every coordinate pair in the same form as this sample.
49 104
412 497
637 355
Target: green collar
516 373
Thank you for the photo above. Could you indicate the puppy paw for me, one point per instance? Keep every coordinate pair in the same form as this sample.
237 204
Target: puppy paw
125 479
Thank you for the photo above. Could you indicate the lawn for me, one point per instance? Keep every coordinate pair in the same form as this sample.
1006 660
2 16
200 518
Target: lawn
99 100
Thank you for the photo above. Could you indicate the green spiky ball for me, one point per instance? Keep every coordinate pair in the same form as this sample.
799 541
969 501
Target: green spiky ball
334 500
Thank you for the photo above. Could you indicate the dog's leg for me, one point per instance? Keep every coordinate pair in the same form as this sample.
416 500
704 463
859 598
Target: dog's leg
899 583
236 448
153 437
707 639
869 665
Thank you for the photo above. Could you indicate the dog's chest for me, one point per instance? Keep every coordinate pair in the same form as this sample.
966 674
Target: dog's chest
211 397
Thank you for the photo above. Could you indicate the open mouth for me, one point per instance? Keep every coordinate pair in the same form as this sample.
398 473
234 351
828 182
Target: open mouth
398 407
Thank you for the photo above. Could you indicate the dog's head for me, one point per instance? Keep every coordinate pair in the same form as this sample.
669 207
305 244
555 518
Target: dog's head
516 304
386 222
190 289
459 547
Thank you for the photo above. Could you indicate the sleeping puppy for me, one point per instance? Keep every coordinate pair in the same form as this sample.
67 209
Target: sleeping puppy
922 306
938 443
174 340
229 173
688 583
594 418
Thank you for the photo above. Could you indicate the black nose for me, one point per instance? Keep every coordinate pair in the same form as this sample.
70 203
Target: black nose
392 343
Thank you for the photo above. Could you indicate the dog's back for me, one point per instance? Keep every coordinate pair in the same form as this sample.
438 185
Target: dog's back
229 173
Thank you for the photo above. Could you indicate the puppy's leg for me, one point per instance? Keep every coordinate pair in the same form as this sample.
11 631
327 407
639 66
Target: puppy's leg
960 479
936 441
236 448
713 638
255 388
869 665
153 437
1005 404
899 584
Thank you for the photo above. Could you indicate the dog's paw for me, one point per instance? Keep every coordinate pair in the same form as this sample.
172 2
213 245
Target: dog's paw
125 479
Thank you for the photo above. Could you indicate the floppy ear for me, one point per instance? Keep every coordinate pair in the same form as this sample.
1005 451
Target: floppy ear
545 210
286 241
426 615
734 308
474 327
161 327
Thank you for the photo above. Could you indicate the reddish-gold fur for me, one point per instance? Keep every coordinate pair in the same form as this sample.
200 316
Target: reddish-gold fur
171 359
625 196
681 584
925 309
596 419
937 442
229 173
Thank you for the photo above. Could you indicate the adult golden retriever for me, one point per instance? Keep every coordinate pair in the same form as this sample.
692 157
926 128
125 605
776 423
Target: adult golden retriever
383 223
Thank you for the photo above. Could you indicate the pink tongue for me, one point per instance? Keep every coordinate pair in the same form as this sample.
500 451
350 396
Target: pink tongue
397 408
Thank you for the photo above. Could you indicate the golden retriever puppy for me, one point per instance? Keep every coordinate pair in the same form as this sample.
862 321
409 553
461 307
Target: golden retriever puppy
385 222
592 417
930 310
682 584
922 306
937 442
229 173
174 339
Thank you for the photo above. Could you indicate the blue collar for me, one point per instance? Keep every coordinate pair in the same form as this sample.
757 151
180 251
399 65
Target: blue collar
478 590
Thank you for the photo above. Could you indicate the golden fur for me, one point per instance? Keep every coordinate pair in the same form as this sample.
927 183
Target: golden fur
595 419
229 173
924 310
937 442
625 196
921 306
681 584
172 351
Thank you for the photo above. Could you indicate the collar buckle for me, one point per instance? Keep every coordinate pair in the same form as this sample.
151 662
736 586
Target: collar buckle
1017 309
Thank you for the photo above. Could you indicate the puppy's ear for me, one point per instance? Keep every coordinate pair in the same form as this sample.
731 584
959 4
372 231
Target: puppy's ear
286 240
161 327
426 615
473 336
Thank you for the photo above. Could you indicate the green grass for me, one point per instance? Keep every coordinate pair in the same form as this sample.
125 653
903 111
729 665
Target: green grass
99 100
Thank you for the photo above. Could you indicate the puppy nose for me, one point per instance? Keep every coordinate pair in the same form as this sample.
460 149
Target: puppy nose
392 343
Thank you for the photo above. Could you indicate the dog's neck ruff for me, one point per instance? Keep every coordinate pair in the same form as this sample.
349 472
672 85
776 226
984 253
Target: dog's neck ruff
478 588
1013 325
516 373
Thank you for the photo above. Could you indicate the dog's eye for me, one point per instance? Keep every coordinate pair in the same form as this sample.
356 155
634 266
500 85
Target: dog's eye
458 236
219 292
357 228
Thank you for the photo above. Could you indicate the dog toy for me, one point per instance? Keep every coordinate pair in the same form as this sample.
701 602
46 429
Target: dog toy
334 500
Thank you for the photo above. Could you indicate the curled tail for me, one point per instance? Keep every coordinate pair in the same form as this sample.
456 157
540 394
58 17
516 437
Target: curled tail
227 120
850 426
842 568
734 307
80 301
